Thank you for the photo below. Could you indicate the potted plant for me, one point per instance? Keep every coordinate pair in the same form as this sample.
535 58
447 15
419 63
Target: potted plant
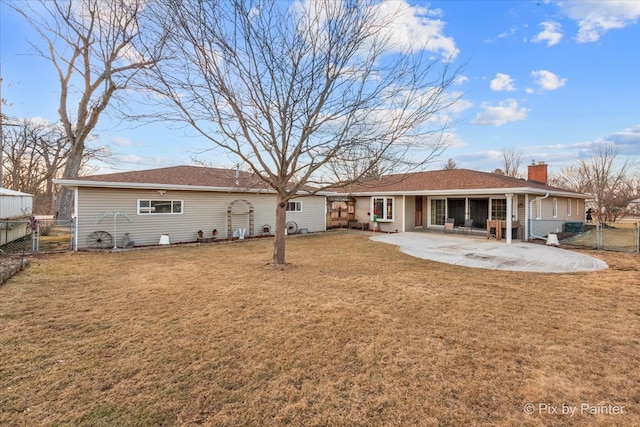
200 234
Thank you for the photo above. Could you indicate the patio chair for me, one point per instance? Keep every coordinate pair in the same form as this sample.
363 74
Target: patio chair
449 225
467 227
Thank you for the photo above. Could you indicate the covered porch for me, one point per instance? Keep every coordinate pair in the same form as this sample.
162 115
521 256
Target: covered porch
473 215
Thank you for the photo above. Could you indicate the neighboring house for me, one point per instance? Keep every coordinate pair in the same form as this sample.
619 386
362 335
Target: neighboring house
174 203
423 200
15 210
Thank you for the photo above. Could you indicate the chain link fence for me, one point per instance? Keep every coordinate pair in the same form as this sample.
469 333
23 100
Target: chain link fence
31 235
623 236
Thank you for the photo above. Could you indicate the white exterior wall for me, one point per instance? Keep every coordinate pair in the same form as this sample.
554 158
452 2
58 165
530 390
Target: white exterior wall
15 205
312 216
362 210
201 210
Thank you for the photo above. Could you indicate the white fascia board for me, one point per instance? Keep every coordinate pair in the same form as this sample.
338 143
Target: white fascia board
72 183
152 186
477 191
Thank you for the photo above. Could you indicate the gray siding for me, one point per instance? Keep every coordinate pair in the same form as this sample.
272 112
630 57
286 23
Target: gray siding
547 223
201 210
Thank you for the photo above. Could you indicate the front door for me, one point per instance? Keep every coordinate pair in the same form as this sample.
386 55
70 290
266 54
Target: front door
419 216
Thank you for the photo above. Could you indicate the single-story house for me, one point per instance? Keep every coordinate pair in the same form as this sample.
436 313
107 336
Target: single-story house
170 205
428 200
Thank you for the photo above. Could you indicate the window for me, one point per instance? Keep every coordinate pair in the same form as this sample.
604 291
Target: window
438 211
294 206
159 207
383 208
499 209
555 208
568 207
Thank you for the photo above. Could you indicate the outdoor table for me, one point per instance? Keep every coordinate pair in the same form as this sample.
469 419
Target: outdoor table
501 228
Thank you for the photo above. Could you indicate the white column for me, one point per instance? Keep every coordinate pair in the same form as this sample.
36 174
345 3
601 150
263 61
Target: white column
509 215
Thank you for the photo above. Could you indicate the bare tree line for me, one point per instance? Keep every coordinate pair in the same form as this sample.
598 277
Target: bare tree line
34 153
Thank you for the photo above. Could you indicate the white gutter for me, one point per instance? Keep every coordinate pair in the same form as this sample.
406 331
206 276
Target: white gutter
530 214
75 183
467 192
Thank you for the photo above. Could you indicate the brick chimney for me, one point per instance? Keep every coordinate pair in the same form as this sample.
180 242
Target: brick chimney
537 172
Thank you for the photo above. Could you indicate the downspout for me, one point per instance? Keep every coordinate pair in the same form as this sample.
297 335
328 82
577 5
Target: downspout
404 213
76 204
531 216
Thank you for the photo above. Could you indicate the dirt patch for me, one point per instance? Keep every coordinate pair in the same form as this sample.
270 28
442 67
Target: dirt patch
10 265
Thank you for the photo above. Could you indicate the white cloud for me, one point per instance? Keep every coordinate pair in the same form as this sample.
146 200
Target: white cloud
460 80
627 141
502 82
414 27
453 140
547 80
505 112
551 33
595 18
513 30
121 141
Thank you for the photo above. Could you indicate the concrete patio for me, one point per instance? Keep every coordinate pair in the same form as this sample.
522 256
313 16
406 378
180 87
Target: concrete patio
478 252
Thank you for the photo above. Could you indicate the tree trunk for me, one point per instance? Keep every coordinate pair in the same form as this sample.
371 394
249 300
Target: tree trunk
279 240
64 201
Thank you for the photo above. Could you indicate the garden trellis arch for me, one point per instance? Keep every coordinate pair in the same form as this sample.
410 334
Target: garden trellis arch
230 215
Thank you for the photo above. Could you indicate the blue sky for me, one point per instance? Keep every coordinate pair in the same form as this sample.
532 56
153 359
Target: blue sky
549 79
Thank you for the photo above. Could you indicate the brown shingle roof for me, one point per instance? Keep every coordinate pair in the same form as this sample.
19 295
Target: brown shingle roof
182 175
444 180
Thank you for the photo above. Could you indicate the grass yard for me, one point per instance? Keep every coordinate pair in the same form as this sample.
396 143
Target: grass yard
351 333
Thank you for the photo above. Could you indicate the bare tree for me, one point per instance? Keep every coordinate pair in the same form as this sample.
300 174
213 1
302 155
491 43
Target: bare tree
303 93
95 47
512 160
34 153
611 181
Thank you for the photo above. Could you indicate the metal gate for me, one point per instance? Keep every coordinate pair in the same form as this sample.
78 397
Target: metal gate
36 235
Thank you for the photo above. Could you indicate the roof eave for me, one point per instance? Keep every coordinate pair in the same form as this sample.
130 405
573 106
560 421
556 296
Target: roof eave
466 192
74 183
71 183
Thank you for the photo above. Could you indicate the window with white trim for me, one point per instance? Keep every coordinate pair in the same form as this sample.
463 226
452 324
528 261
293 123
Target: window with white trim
438 211
383 208
294 206
499 209
555 208
146 207
568 207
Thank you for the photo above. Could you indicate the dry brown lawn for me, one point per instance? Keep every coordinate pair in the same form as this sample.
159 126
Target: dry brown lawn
351 333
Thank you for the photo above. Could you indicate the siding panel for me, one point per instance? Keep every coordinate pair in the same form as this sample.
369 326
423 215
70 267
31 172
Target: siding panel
204 211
